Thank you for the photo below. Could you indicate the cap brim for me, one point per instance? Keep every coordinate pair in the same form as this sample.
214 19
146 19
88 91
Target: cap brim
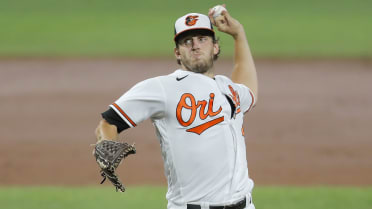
190 30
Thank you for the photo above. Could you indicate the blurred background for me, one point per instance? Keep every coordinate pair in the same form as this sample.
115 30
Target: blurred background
309 139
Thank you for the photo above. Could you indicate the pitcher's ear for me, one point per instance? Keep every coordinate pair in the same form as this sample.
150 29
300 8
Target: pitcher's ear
216 49
177 53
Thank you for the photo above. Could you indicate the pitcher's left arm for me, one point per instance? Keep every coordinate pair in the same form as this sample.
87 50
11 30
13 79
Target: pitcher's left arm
244 71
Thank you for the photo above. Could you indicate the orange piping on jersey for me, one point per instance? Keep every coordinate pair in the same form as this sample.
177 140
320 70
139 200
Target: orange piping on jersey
201 128
252 101
125 115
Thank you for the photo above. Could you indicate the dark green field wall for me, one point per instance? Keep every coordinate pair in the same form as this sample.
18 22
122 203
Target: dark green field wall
113 28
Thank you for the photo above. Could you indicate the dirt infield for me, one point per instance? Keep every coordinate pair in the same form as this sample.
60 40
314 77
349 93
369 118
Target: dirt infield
312 124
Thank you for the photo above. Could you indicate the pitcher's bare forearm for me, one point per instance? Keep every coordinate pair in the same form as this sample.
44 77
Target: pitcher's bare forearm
244 71
107 131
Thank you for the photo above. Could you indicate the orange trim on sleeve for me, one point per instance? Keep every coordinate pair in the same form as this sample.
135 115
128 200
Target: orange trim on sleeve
250 92
125 115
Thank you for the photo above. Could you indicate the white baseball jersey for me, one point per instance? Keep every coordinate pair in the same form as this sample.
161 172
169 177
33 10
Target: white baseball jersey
202 140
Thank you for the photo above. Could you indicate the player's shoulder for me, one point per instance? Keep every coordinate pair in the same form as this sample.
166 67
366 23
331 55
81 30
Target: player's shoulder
158 81
178 73
224 80
226 85
176 76
161 80
149 83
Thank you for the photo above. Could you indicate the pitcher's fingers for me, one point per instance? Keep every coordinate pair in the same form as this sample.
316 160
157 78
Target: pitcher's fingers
210 11
221 23
210 15
226 14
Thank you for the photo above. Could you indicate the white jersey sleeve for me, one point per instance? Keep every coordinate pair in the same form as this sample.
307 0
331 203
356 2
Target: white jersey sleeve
144 100
242 96
246 97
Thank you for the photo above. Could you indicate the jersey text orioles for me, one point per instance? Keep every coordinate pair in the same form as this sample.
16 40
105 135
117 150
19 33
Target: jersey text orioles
203 113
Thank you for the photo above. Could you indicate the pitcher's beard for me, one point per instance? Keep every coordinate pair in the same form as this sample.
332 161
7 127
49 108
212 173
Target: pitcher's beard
198 67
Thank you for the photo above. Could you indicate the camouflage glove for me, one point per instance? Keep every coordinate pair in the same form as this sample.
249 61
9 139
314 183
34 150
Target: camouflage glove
109 155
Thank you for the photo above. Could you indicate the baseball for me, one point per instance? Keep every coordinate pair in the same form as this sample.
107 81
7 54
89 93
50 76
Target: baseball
218 10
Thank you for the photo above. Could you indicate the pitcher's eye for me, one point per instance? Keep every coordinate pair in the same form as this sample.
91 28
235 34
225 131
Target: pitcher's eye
187 42
203 39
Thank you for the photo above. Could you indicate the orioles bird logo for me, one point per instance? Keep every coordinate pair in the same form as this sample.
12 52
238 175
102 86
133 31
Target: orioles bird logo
191 20
236 99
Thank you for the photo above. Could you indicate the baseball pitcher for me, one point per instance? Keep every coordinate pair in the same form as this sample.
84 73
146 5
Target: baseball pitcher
198 117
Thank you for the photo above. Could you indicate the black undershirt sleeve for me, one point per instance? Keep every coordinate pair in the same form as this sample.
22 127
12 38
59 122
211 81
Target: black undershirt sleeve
114 119
231 105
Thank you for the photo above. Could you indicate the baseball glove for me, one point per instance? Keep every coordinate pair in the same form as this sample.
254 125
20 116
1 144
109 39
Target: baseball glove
109 154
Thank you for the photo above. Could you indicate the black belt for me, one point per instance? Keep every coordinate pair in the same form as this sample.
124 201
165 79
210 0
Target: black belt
239 205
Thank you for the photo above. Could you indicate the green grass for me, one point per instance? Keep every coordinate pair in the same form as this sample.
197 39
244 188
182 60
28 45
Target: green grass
286 28
152 197
312 198
81 198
